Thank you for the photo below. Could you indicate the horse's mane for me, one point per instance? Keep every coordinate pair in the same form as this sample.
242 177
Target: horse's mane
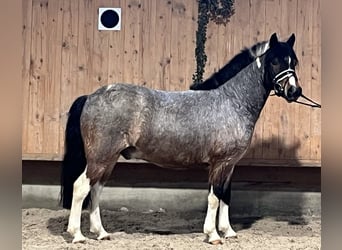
234 66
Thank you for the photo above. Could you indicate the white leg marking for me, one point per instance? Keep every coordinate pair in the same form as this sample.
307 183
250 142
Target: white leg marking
209 227
81 189
95 217
224 224
258 62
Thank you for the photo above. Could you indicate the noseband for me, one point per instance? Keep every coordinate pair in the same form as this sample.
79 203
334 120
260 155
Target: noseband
279 89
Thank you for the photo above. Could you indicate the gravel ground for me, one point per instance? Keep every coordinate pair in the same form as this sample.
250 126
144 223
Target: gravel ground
46 229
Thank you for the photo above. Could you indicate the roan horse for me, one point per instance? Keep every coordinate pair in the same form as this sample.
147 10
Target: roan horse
186 129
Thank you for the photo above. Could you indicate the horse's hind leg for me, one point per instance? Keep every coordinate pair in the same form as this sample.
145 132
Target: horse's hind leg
100 173
80 191
95 217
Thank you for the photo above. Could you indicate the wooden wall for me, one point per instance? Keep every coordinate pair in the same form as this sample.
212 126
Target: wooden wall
66 56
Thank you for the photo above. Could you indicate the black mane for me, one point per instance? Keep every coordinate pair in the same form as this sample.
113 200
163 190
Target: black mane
235 65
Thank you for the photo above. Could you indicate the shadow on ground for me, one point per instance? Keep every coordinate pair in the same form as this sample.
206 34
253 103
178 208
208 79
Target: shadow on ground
162 223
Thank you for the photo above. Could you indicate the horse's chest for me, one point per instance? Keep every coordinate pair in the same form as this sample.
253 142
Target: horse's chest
232 141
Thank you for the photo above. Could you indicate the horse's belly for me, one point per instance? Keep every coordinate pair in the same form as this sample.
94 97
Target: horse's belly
165 159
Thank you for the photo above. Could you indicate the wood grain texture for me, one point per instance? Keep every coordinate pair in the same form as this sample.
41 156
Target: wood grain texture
66 56
26 64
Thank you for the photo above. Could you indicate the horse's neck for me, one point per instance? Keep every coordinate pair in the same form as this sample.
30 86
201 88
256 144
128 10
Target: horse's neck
247 87
235 65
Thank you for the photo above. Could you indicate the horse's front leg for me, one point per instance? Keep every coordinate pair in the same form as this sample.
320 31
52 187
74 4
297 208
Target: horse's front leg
224 222
210 219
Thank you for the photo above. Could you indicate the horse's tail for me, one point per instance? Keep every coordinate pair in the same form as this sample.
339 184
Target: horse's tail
74 161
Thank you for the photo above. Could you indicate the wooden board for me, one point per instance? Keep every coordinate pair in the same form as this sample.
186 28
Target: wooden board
26 64
65 56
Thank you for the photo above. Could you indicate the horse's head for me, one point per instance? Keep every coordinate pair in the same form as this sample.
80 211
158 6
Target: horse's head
280 63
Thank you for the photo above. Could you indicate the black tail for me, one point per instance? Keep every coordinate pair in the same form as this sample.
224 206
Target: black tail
74 161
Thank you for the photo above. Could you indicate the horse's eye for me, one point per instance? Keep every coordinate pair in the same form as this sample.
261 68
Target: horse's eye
275 61
295 63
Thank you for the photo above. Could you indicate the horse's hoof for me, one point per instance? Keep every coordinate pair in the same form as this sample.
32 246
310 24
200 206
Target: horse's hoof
230 234
216 242
79 240
105 236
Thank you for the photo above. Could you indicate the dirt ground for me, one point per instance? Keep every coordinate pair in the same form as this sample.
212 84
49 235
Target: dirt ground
46 229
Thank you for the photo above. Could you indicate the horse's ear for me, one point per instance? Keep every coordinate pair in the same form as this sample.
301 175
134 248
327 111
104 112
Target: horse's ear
273 40
291 40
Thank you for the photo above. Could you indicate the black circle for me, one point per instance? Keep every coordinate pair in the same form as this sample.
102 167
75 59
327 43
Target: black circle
109 19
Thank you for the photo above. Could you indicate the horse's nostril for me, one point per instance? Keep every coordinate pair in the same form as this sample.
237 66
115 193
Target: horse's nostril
294 92
291 90
297 92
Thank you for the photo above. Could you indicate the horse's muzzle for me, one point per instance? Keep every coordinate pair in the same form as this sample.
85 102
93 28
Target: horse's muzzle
293 93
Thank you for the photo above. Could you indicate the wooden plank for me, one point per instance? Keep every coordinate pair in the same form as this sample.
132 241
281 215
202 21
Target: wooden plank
304 54
257 20
27 34
177 14
85 45
44 73
37 78
42 157
132 45
288 145
148 52
68 88
181 39
190 43
115 53
163 44
85 50
240 23
51 121
257 34
315 122
271 121
186 38
99 73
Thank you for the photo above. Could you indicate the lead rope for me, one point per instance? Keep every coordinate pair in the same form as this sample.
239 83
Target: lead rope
316 105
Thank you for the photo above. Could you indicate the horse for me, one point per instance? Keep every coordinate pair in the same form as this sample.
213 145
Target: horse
182 129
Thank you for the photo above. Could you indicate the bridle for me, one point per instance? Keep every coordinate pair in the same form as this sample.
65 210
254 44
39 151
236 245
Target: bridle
279 89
